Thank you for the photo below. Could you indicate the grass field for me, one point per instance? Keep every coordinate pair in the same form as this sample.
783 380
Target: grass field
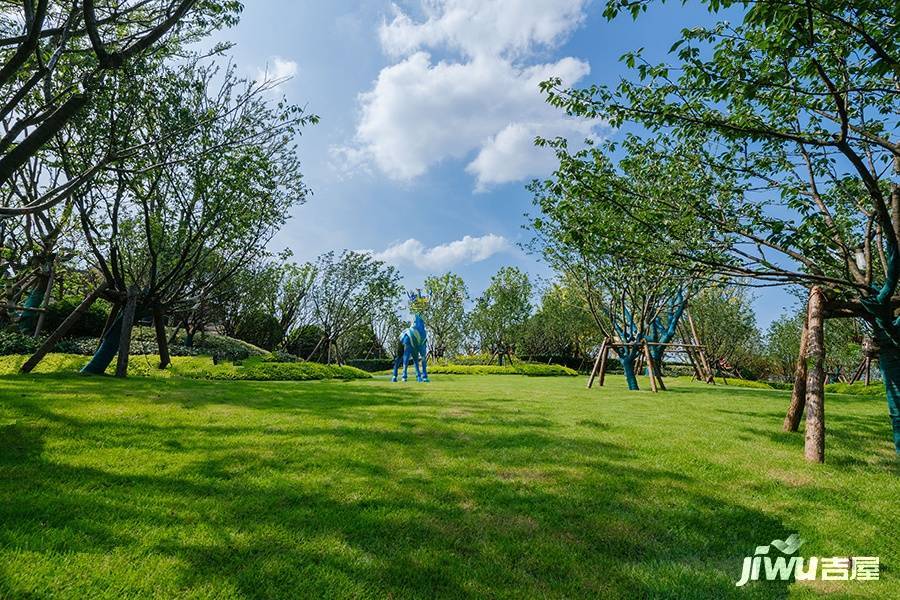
490 486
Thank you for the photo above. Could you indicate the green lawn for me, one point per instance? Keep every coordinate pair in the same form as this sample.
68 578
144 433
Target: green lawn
478 486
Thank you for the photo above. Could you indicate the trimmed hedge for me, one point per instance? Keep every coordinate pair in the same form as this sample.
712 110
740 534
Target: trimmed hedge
531 370
372 365
859 388
744 383
194 367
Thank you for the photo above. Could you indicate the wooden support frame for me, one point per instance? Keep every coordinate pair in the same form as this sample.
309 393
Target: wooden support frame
598 372
695 351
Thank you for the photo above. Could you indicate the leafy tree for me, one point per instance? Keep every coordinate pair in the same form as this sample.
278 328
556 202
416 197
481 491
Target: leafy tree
445 313
291 301
360 342
783 343
790 116
843 343
347 290
175 220
501 311
726 325
561 327
250 289
387 326
56 59
632 289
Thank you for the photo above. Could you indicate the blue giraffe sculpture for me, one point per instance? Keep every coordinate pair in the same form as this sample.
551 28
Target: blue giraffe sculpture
414 340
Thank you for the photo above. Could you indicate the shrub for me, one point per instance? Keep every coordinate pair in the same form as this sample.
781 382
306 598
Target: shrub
260 329
222 346
89 325
745 383
529 369
280 356
372 365
194 367
469 359
16 343
856 389
306 340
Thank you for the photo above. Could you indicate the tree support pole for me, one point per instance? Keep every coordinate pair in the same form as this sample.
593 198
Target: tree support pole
603 364
649 360
814 449
63 329
597 364
710 376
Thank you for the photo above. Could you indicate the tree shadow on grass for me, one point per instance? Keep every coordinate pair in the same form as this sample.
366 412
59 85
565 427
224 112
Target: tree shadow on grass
516 509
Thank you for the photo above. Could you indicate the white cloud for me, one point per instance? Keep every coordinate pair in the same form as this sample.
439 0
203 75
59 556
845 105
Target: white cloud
277 70
467 250
512 156
486 104
483 27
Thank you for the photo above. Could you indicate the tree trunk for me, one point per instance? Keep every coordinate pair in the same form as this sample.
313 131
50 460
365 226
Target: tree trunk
815 380
161 340
125 341
109 347
627 362
173 339
889 363
63 328
798 396
30 309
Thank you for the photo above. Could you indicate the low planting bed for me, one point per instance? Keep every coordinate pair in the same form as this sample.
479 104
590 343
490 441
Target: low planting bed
194 367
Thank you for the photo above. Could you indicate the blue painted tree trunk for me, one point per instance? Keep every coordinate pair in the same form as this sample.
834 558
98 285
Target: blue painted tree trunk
109 348
627 362
889 363
665 332
28 318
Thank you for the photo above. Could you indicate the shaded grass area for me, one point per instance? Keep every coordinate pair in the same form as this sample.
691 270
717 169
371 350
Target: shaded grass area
493 486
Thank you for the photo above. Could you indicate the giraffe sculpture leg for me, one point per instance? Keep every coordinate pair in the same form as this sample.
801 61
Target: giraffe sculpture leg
406 354
424 369
416 363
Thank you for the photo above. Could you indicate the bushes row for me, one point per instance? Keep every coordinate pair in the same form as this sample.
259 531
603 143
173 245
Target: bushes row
143 342
857 389
372 365
529 369
195 367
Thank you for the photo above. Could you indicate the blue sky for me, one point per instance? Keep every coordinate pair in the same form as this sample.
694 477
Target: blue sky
428 110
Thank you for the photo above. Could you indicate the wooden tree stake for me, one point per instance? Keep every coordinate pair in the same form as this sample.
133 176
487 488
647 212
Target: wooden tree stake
598 364
649 360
